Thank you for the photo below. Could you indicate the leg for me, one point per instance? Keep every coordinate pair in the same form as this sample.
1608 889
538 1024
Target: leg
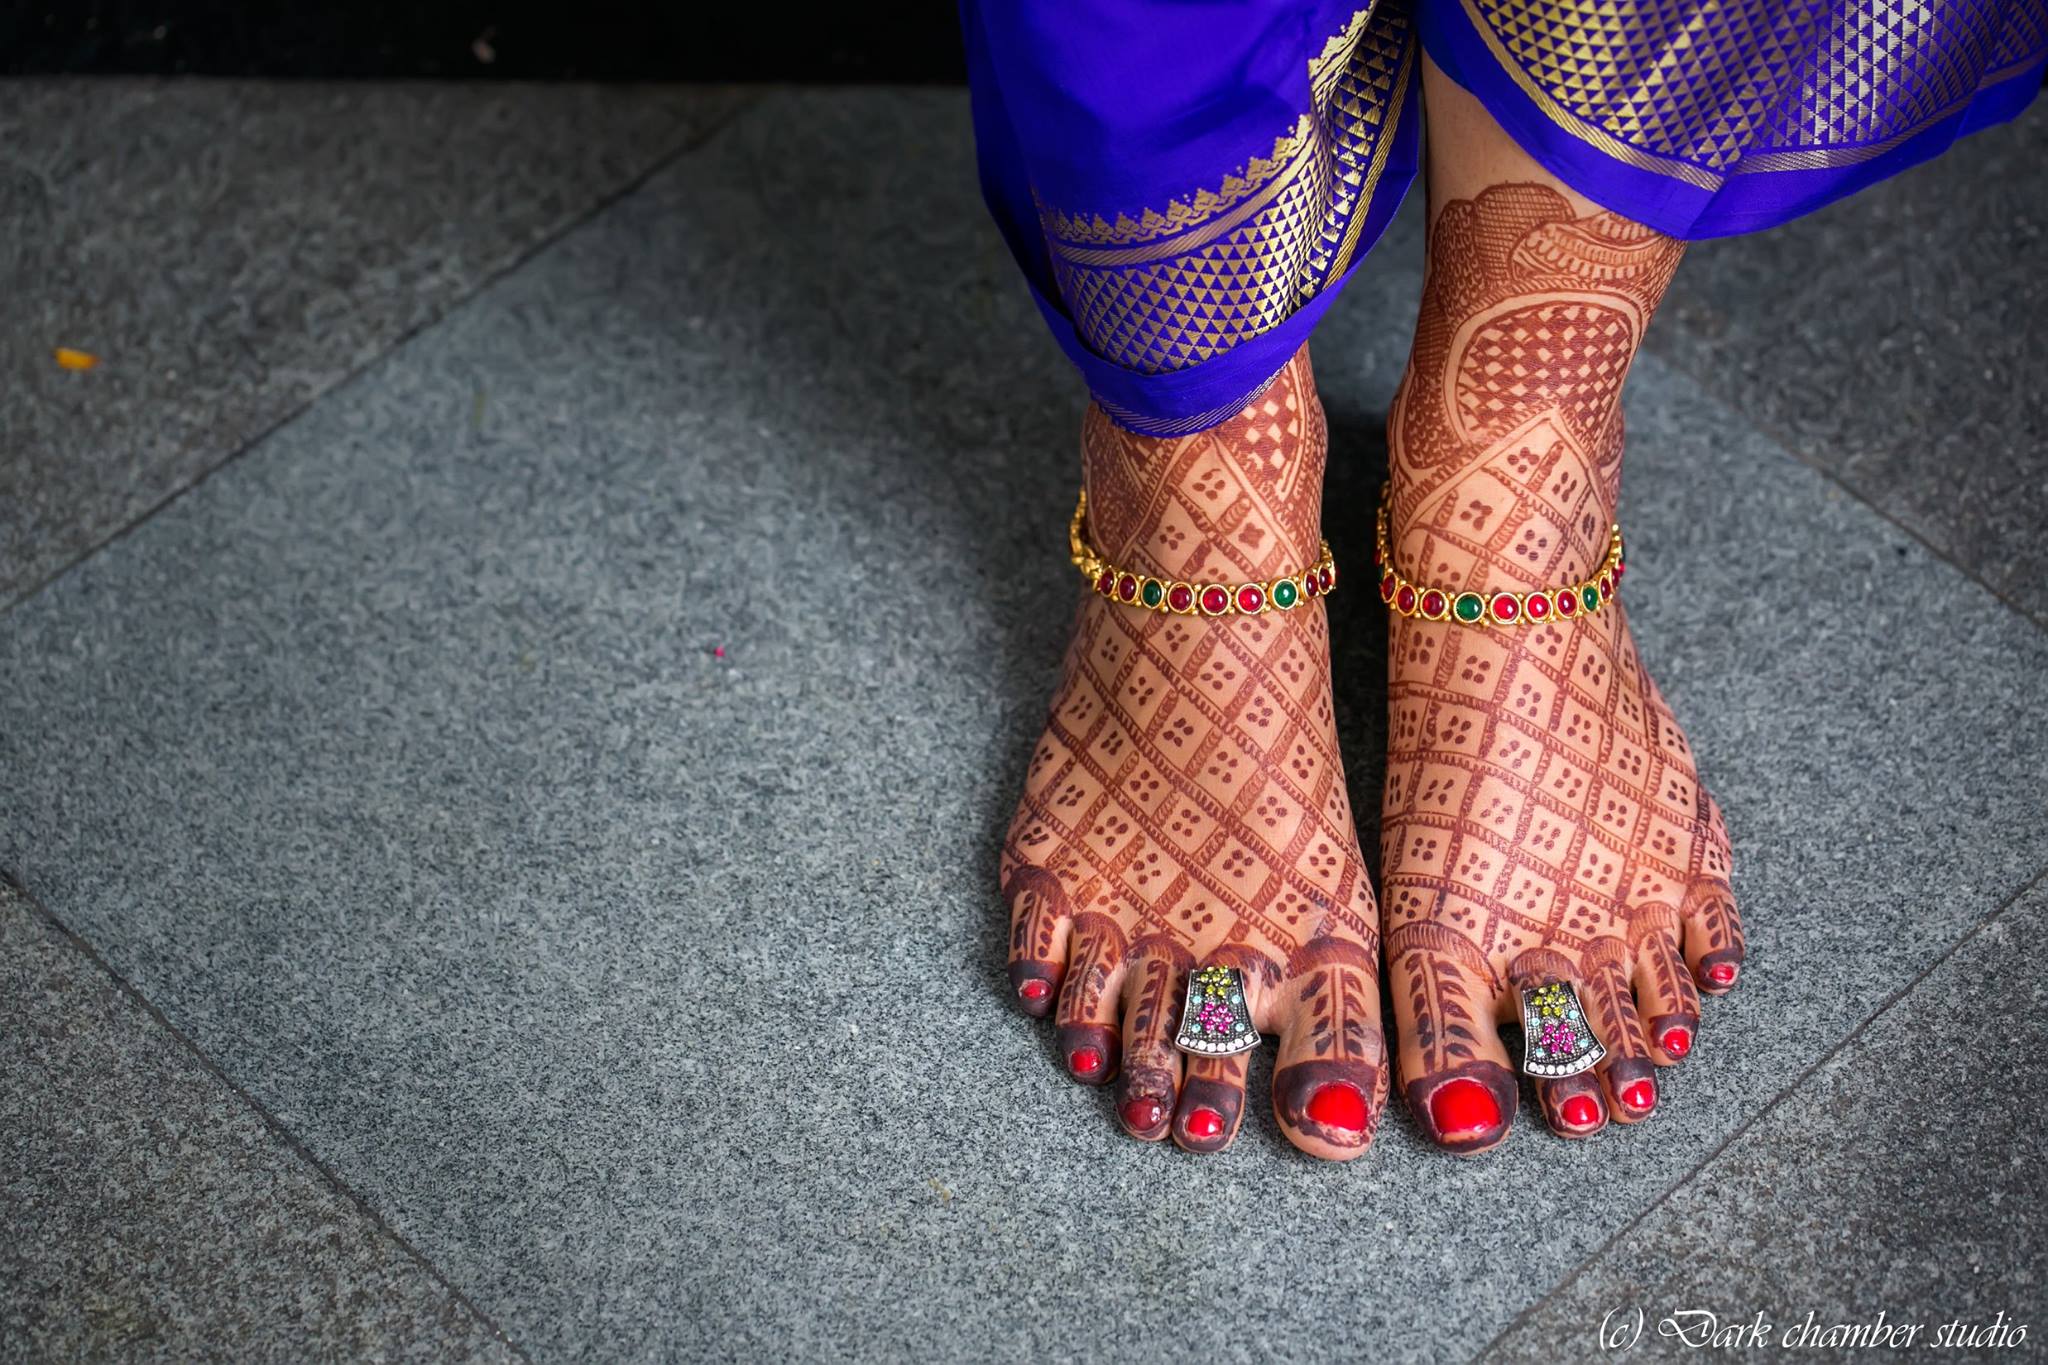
1186 805
1542 814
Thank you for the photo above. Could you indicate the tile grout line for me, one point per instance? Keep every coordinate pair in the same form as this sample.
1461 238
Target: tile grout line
1770 432
1883 1007
291 1140
684 147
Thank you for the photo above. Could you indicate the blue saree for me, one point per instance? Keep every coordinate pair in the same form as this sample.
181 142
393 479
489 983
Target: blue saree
1187 186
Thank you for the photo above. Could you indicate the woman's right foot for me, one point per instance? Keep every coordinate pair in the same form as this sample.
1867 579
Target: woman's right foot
1543 819
1186 805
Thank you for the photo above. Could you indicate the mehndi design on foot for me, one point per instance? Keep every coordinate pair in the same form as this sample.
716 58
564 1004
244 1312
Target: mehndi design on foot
1543 823
1185 810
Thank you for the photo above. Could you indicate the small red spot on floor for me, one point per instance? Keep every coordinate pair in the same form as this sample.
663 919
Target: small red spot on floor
718 651
1463 1108
1338 1105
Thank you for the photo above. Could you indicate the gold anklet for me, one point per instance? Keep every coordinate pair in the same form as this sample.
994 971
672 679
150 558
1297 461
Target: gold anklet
1195 599
1469 608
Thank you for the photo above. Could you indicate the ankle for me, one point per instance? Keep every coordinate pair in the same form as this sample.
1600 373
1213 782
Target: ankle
1523 518
1240 501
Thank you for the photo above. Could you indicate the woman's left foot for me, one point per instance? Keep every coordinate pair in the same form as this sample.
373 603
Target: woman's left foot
1543 820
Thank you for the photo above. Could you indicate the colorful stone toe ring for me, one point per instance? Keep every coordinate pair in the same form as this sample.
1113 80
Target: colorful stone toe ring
1215 1020
1557 1038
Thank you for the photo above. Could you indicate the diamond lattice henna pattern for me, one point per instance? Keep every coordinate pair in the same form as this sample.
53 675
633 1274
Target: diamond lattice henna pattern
1187 789
1541 806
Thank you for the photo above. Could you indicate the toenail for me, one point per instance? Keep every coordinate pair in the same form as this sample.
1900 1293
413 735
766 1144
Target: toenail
1034 989
1338 1105
1581 1112
1677 1042
1086 1061
1204 1123
1721 973
1641 1097
1462 1109
1143 1113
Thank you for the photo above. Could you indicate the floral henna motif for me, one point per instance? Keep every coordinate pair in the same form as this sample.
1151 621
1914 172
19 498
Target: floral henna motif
1187 791
1541 803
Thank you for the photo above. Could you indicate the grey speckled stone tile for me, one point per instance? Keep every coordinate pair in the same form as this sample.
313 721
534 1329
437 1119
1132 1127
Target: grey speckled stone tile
229 249
151 1214
1907 1177
1898 339
658 996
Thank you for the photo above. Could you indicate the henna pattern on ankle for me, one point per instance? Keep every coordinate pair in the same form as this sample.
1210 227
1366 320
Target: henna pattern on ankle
1541 803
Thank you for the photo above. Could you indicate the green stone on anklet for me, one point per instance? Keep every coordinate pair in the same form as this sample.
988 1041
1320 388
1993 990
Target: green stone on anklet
1590 595
1468 607
1155 593
1285 594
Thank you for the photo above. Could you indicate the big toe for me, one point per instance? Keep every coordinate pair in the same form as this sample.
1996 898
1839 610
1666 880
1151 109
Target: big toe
1330 1079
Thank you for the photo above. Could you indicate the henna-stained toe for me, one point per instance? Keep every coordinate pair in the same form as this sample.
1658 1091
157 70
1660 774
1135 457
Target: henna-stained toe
1039 922
1211 1103
1666 997
1573 1105
1087 1031
1149 1085
1330 1079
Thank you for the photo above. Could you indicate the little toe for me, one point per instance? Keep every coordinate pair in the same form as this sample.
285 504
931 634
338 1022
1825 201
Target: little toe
1087 1028
1039 924
1330 1080
1148 1086
1666 997
1455 1073
1713 937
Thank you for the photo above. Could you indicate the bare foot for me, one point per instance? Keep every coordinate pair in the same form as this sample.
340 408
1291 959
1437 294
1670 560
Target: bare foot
1186 805
1543 818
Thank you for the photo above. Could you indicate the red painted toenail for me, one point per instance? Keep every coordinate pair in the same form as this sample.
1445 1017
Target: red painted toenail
1204 1123
1641 1097
1143 1113
1034 989
1721 973
1462 1109
1677 1042
1086 1061
1581 1112
1338 1105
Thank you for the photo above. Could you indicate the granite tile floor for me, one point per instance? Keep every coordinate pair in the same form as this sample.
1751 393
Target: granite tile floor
428 932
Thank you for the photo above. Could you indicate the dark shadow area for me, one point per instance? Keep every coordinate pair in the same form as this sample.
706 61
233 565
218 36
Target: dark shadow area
905 43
